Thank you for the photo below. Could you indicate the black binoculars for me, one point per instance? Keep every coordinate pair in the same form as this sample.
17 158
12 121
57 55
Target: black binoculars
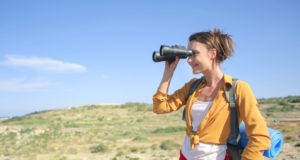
169 53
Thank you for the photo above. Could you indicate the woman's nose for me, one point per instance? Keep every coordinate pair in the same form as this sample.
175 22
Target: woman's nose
189 59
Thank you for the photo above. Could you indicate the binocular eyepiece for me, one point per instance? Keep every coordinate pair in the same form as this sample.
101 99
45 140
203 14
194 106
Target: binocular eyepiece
169 53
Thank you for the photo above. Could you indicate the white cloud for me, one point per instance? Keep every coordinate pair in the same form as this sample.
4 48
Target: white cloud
43 64
22 85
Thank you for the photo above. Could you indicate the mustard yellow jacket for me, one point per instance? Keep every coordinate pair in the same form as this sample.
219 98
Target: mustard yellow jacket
215 127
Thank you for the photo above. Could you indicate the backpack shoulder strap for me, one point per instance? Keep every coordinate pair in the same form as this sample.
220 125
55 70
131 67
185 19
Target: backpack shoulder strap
192 89
234 124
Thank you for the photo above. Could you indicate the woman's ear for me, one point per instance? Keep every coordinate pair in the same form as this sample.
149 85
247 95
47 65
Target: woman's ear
213 53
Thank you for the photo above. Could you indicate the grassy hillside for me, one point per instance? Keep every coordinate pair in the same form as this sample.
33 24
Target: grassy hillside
130 131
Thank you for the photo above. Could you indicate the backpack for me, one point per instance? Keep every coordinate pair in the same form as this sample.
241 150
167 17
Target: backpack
234 149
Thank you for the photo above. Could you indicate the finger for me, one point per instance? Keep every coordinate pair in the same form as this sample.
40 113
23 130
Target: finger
177 60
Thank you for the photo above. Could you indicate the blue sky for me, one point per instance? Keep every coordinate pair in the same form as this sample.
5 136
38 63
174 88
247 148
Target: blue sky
56 54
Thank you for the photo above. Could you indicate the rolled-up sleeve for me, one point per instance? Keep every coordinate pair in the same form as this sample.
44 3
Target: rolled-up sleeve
256 127
163 103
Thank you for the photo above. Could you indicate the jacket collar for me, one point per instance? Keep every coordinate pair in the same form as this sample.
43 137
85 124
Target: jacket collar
227 81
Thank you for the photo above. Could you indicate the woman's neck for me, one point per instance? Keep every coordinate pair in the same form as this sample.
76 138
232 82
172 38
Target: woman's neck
214 77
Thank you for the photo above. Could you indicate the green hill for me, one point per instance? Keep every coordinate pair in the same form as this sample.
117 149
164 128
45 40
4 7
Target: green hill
128 131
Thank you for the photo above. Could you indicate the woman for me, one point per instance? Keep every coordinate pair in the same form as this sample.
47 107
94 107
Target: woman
207 111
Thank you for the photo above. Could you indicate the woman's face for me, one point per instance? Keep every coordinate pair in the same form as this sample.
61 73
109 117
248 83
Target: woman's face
201 60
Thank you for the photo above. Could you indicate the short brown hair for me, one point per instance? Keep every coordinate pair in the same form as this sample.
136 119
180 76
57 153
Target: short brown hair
215 40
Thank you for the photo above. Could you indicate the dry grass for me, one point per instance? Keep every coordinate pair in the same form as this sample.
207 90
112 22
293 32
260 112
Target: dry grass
130 131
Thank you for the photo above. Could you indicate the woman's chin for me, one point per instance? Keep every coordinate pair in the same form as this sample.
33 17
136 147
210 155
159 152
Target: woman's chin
196 72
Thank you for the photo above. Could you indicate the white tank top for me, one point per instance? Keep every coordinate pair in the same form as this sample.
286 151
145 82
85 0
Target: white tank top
202 151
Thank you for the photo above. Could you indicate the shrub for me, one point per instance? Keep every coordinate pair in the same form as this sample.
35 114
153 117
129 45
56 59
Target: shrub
283 103
168 145
283 108
26 130
101 118
140 139
169 129
120 153
71 125
137 107
134 149
287 108
154 146
288 138
72 151
293 99
99 148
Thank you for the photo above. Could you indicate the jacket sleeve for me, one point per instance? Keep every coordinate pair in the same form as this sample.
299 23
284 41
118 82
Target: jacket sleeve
163 103
256 127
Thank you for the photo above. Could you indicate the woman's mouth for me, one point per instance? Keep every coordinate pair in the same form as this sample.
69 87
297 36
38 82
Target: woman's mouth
195 65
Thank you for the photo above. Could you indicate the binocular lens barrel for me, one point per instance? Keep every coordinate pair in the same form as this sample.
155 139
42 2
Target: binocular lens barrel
156 57
175 51
169 53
